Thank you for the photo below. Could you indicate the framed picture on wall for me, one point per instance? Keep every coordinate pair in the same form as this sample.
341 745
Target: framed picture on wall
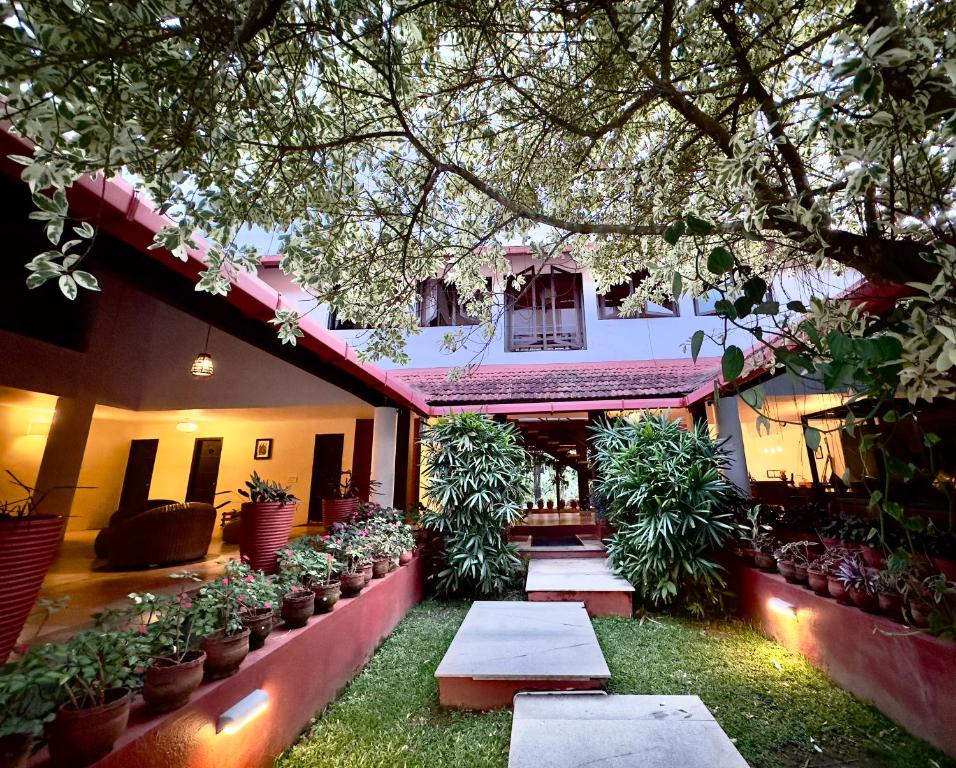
263 448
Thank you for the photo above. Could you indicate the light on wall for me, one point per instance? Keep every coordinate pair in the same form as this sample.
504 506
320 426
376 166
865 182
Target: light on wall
243 711
777 605
203 366
38 427
187 426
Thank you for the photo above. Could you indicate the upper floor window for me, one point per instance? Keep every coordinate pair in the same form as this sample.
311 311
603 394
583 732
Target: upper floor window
705 304
609 304
440 305
546 312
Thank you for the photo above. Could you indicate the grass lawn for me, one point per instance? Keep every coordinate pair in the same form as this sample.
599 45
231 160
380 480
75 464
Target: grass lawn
780 711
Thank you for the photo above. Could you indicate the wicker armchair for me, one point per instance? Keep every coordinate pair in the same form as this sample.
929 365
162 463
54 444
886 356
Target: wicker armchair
157 535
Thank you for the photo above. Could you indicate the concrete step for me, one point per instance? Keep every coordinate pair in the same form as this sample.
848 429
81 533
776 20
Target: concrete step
566 730
590 581
505 647
544 547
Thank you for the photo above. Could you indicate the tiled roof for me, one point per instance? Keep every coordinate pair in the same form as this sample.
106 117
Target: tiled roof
565 381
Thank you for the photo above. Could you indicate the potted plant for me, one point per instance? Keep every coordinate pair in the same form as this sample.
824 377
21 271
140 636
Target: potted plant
406 543
303 565
29 540
749 530
298 604
764 545
258 597
831 562
351 549
265 522
793 559
889 594
95 672
817 576
859 583
342 502
218 620
173 660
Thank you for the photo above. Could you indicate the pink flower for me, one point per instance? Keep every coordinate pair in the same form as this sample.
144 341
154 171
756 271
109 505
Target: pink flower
245 558
329 557
138 670
225 581
187 606
142 629
21 648
250 578
239 599
268 603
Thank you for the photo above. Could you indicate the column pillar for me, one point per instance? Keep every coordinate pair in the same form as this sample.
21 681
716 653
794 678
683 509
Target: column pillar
729 429
384 431
63 454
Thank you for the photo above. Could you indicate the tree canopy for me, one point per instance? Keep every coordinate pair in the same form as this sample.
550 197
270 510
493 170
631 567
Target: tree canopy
389 142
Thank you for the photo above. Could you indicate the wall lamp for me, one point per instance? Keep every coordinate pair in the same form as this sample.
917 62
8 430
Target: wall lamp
777 605
240 713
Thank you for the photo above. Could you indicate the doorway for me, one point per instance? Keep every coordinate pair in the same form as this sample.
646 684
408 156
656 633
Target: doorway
139 474
326 471
204 471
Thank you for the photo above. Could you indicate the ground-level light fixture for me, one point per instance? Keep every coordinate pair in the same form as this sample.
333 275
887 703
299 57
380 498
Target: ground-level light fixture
778 605
203 366
243 711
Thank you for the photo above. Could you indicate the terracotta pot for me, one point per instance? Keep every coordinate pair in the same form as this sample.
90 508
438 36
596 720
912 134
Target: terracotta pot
550 505
366 573
838 591
873 556
259 623
800 573
946 567
167 685
28 547
787 570
405 557
891 605
818 582
765 562
15 750
263 531
224 653
352 583
919 613
297 607
326 596
529 505
80 737
380 567
393 564
338 510
865 601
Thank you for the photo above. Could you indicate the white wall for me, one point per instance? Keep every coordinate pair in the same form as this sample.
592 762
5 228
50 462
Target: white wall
656 338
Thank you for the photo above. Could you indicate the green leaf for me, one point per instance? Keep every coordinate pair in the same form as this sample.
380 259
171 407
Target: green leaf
696 341
677 285
673 233
699 226
86 280
812 436
732 363
68 287
796 306
720 261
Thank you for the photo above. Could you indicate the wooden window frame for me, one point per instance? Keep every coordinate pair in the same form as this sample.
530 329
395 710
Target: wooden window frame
613 313
533 284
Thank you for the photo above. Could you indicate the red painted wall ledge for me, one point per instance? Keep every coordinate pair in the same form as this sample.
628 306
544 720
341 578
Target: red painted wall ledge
302 670
908 675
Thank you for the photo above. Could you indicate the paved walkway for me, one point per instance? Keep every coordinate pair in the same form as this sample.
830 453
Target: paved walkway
590 581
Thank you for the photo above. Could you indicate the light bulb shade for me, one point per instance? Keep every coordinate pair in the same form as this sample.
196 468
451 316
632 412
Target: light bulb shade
202 366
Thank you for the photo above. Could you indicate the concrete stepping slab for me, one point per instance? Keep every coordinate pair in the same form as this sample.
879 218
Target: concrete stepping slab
568 730
589 581
505 647
589 547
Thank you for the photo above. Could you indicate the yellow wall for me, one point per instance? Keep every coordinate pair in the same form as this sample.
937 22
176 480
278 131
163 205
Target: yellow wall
293 432
24 422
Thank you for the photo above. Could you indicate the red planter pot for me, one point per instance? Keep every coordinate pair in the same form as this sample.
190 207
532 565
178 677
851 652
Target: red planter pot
818 582
326 596
80 737
838 592
891 605
15 750
168 685
263 531
352 583
338 510
873 557
800 573
380 567
946 567
405 557
366 573
765 562
224 653
865 601
28 548
787 570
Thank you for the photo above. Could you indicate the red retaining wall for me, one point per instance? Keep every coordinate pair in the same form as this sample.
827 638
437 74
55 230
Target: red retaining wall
909 675
302 670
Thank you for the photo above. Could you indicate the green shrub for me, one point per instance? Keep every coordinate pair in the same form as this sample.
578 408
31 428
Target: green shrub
476 474
670 503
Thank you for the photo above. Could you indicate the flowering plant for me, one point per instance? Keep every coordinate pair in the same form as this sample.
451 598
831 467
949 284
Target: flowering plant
217 607
254 590
350 546
306 566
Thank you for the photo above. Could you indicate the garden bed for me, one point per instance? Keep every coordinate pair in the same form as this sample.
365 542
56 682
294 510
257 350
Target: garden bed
301 670
780 711
906 673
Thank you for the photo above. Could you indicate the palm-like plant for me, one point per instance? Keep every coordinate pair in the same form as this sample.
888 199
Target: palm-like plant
670 504
475 469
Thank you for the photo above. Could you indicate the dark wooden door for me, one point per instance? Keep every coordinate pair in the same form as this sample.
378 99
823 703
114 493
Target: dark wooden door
326 471
204 472
139 474
362 458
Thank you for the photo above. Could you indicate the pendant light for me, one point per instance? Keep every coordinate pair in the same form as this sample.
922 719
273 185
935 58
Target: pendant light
203 367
